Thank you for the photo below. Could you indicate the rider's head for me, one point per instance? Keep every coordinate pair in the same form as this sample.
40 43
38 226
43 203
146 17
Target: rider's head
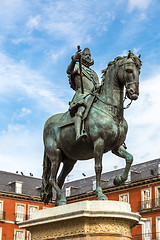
86 57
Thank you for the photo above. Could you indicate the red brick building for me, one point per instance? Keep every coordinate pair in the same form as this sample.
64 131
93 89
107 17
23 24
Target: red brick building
19 198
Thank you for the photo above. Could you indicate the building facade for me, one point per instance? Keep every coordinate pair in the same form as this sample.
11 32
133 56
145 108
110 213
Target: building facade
19 198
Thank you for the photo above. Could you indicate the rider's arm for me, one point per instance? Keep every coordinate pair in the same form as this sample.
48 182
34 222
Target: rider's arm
71 67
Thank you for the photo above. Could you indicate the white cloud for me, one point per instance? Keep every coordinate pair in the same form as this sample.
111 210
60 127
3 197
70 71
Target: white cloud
21 149
138 4
144 118
18 79
22 113
33 22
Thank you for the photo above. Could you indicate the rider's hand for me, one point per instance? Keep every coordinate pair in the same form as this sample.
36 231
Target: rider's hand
77 56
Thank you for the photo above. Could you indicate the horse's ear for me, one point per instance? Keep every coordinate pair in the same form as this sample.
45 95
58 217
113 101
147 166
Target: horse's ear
139 56
129 54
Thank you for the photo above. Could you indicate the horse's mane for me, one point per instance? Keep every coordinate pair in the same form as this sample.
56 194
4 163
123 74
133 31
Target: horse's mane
118 59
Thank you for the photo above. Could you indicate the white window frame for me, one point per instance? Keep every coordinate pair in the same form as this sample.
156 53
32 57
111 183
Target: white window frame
68 191
94 184
159 168
123 195
28 235
157 228
18 230
30 206
24 212
18 189
129 178
144 236
0 233
146 204
157 198
1 210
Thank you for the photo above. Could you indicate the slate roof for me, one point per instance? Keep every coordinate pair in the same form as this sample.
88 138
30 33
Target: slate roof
31 185
141 171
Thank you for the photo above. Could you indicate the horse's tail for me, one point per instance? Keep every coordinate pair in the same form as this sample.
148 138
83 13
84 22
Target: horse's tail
46 190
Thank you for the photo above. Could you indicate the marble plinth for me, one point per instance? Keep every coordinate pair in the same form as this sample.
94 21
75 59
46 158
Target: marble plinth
86 220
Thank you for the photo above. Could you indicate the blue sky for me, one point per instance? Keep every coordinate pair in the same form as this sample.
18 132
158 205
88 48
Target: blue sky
37 40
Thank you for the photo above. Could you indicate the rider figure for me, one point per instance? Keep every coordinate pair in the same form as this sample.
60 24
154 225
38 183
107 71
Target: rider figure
81 77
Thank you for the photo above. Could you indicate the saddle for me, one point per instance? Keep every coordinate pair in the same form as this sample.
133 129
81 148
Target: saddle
66 118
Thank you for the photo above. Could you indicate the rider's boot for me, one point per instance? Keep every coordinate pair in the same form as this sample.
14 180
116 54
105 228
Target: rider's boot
78 124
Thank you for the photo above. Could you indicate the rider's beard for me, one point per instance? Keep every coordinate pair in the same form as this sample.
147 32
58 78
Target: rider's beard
87 63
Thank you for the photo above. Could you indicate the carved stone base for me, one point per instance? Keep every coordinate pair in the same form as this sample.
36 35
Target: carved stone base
96 220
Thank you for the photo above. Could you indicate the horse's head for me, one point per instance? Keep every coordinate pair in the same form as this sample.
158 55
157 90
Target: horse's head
128 74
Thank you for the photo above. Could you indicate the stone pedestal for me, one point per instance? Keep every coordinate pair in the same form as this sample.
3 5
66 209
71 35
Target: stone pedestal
86 220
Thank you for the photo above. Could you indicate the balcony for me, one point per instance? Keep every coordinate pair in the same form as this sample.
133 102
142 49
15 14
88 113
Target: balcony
147 236
145 206
156 203
20 217
2 216
149 205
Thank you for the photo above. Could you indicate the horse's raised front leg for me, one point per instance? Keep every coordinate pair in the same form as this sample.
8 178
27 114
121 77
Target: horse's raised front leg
98 153
55 163
121 152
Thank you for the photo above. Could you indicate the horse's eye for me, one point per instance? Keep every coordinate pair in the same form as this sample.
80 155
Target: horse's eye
129 70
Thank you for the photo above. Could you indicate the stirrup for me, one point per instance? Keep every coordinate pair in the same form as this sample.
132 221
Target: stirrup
82 136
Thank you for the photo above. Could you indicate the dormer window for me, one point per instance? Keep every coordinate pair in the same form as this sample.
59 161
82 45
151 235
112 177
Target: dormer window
159 168
18 187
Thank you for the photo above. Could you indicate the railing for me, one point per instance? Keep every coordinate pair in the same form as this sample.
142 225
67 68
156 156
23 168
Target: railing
151 204
29 216
20 217
144 205
156 203
2 216
147 236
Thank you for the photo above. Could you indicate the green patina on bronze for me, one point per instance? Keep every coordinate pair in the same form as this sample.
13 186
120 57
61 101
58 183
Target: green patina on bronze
93 125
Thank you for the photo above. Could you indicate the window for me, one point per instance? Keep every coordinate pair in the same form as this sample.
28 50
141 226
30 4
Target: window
31 210
20 213
0 233
18 187
159 168
157 196
158 227
124 197
94 185
129 177
147 232
146 198
1 210
28 235
19 234
68 191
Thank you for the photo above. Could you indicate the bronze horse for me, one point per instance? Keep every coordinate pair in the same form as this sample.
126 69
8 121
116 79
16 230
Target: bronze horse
105 126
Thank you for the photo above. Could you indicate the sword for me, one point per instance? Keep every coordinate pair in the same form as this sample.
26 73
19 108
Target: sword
80 68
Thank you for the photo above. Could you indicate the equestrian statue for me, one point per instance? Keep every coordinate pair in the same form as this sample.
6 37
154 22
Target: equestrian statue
94 123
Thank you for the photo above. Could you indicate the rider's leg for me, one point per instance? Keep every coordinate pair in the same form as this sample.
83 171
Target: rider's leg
78 122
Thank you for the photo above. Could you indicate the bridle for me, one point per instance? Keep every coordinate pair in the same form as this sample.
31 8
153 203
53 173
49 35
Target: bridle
125 96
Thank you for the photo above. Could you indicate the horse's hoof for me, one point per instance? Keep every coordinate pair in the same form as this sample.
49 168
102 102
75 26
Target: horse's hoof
61 203
118 181
102 197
